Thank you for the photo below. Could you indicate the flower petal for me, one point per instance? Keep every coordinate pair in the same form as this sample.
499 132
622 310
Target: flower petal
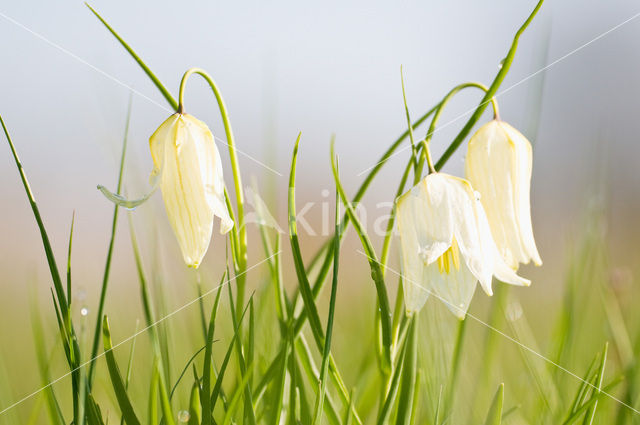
454 288
471 230
210 170
423 214
523 168
183 190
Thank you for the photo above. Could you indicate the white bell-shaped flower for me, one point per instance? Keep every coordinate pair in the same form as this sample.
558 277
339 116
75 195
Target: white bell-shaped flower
447 245
498 165
188 170
188 162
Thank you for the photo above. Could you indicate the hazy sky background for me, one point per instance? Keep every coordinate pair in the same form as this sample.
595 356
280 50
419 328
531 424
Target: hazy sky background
285 67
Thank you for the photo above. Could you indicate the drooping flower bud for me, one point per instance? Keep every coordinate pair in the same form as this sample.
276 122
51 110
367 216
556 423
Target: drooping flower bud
498 165
187 162
188 170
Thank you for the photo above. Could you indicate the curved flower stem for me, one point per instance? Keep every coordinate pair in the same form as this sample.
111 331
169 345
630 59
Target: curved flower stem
426 153
493 88
237 179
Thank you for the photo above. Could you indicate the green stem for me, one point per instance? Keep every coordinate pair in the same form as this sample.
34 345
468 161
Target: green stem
376 269
493 88
455 364
332 308
426 153
107 267
409 375
235 167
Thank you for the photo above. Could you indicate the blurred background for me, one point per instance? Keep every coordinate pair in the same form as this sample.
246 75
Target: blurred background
285 67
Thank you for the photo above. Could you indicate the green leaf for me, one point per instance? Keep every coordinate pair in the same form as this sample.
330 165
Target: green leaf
223 367
124 402
408 375
94 416
195 411
184 370
376 271
332 309
172 102
311 371
591 413
303 281
494 417
493 88
385 412
152 408
233 406
206 367
594 398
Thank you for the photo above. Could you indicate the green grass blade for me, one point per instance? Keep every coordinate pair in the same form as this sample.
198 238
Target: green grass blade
94 415
408 375
374 264
594 398
280 385
332 309
127 378
55 416
387 405
107 266
223 367
152 407
303 281
237 326
184 370
494 417
493 88
584 388
134 55
165 402
455 366
233 406
206 366
252 333
73 219
195 410
310 369
364 186
591 413
53 267
124 402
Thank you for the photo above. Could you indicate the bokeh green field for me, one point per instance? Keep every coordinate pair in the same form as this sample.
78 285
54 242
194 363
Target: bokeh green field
562 351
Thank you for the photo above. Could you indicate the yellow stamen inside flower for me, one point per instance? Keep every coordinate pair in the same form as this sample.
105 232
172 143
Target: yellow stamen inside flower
450 256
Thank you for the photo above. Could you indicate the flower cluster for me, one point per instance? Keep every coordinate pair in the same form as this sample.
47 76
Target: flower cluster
456 232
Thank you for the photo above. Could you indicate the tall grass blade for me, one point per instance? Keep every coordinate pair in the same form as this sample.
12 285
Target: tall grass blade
140 62
591 413
376 270
107 267
124 402
332 309
408 375
195 409
206 366
184 370
494 417
305 288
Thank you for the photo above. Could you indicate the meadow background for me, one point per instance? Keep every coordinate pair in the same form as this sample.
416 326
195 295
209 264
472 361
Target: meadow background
285 67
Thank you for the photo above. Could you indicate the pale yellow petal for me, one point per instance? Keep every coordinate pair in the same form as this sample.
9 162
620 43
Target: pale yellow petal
498 165
523 161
